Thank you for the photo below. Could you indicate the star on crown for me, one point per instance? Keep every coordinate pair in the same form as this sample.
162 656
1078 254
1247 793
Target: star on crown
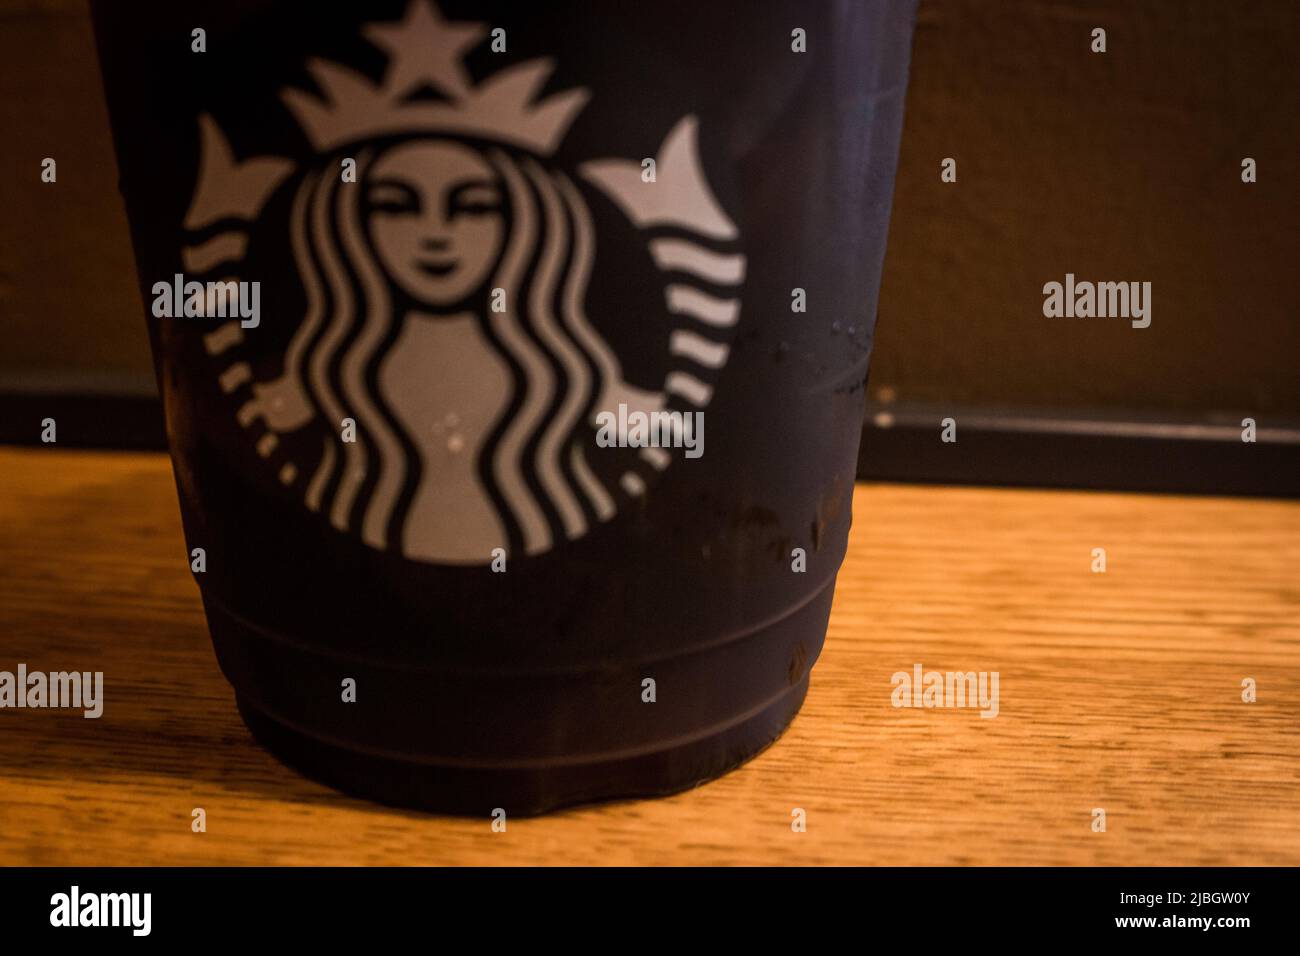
426 54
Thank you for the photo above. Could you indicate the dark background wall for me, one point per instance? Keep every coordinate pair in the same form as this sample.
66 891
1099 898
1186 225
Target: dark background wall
1115 166
69 305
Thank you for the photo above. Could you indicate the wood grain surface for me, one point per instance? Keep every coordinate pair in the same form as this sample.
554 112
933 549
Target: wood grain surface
1119 691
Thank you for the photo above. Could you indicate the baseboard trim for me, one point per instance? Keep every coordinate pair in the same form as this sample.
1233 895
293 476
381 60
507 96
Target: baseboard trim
1114 452
899 443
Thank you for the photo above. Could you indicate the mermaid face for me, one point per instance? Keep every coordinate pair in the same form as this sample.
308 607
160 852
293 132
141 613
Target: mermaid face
436 219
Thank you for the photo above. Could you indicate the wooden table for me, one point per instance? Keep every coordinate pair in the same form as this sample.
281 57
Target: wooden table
1120 691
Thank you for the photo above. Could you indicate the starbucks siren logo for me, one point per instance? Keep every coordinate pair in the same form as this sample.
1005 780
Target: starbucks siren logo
446 301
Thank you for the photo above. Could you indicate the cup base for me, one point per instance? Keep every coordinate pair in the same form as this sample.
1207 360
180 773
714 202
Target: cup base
476 791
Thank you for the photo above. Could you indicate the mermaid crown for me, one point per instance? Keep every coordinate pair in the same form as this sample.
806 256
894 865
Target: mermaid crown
425 88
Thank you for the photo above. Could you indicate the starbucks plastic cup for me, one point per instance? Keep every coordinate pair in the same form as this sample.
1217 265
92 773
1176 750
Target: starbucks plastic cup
513 367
